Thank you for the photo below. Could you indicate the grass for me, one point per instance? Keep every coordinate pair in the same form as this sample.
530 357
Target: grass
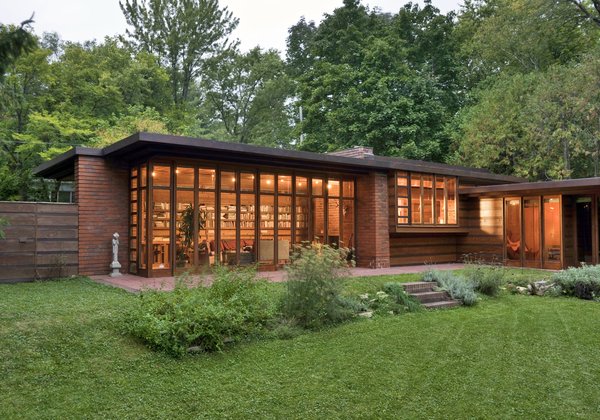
62 356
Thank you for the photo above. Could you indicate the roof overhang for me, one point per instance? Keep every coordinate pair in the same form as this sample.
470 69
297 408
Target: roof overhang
567 186
142 146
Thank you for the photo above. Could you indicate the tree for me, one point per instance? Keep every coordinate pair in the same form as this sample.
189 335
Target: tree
367 82
183 34
589 10
241 90
14 42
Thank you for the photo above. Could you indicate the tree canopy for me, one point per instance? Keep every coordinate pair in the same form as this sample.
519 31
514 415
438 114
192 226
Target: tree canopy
508 85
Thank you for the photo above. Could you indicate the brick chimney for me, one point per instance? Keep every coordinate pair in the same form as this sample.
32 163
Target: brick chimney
360 152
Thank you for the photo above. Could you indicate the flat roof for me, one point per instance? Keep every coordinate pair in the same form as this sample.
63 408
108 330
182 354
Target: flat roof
145 145
569 186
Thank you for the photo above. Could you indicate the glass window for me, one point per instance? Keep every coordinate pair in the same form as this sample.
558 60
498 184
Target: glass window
552 229
206 228
318 219
440 200
228 228
247 231
333 221
143 176
301 185
333 188
427 201
161 176
348 189
143 230
317 186
246 181
267 183
302 220
416 199
451 202
284 228
513 229
227 181
284 184
206 179
161 228
184 232
531 229
266 248
185 177
347 224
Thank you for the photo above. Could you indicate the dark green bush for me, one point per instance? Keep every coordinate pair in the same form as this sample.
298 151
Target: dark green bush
237 305
582 282
313 289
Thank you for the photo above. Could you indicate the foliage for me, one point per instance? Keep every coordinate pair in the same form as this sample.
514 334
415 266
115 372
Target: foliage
246 90
314 284
235 306
486 277
14 42
582 282
364 86
392 299
183 34
457 286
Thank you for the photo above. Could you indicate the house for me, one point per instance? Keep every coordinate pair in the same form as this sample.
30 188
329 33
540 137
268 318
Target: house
182 203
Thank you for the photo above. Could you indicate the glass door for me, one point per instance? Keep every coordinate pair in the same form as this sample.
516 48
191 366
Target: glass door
531 232
512 231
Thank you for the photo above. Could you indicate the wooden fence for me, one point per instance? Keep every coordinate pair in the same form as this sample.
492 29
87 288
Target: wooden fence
40 241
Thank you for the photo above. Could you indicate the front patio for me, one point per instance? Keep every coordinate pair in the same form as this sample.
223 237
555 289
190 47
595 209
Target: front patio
135 284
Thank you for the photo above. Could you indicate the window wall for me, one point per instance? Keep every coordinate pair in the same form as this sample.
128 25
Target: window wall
185 215
532 231
425 199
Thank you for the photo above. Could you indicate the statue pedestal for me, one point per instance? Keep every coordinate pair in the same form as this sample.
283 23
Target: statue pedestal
115 266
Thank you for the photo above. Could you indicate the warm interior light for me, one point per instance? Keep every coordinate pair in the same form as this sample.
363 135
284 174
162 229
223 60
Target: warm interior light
153 173
233 179
268 182
177 171
328 186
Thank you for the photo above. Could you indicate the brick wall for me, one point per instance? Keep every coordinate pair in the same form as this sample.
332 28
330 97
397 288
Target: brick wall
102 194
373 237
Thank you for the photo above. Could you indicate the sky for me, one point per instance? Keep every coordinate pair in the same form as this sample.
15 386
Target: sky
262 22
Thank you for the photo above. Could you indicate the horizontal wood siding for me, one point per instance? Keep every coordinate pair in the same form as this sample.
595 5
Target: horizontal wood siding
482 219
415 249
41 241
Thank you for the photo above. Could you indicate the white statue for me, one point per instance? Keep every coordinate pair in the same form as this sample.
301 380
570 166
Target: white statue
114 265
115 247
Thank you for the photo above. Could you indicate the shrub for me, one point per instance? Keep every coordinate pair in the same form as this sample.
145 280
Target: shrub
313 289
582 282
237 305
457 287
487 279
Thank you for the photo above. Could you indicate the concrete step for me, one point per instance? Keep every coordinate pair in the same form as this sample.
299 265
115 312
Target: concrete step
442 304
419 286
427 297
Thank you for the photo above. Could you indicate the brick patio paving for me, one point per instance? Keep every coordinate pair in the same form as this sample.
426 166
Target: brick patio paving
133 283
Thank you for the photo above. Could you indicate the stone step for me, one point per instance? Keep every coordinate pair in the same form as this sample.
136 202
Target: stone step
419 286
427 297
442 304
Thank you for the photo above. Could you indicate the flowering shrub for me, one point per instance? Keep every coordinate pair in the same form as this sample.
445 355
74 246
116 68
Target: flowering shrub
313 288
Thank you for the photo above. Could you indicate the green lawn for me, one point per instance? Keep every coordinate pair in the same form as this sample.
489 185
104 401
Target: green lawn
61 356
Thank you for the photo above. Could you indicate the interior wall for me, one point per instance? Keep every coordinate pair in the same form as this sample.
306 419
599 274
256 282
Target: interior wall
482 218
